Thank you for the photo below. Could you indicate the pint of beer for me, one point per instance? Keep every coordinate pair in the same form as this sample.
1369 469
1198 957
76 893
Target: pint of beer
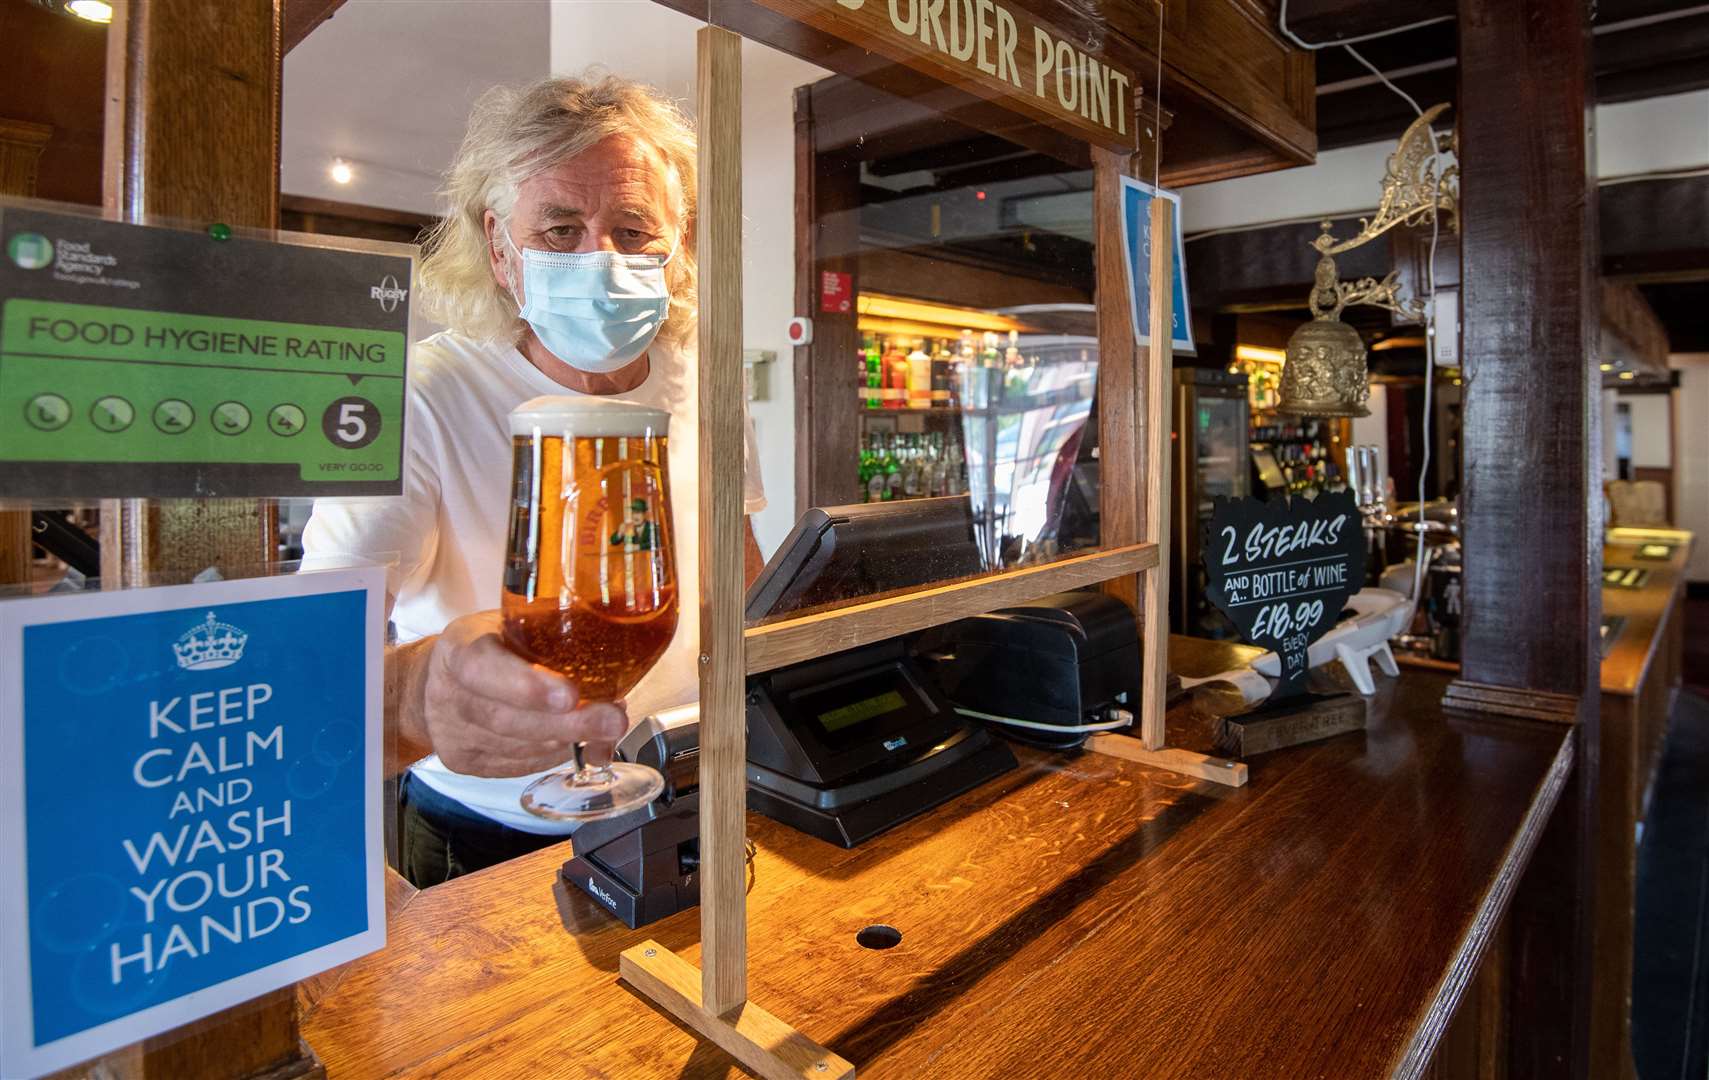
590 567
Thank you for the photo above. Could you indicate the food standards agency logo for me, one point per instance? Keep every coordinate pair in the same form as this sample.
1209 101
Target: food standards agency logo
388 293
32 251
212 644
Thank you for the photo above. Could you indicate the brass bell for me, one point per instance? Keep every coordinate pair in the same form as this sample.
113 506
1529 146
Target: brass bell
1324 374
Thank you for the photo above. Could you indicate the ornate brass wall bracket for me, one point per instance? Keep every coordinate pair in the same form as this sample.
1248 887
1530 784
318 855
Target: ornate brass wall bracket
1412 192
1325 373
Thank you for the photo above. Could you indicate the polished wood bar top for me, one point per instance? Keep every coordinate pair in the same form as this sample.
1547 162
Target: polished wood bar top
1644 610
1080 916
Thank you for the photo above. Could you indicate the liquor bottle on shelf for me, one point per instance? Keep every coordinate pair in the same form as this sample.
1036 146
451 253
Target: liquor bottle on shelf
873 365
941 381
892 474
876 487
865 470
910 455
919 377
955 469
895 375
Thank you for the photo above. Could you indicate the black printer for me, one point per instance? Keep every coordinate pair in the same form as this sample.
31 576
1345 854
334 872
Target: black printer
1047 672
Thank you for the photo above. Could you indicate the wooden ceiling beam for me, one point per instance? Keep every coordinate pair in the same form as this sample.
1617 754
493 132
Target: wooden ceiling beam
300 17
1334 20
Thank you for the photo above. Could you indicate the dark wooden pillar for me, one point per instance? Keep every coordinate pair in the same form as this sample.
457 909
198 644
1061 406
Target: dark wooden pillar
192 134
827 240
21 144
1532 504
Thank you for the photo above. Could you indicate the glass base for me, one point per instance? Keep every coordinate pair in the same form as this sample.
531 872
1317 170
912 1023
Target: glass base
592 792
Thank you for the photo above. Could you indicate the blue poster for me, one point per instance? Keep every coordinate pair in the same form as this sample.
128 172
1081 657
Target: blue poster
1136 242
197 770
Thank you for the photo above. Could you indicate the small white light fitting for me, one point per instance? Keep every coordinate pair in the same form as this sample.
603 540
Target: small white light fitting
1607 367
342 172
1628 375
95 11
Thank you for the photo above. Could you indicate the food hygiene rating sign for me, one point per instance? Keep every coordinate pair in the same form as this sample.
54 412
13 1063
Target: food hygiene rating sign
189 803
156 362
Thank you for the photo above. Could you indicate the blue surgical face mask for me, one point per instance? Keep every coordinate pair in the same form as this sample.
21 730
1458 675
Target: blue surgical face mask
597 311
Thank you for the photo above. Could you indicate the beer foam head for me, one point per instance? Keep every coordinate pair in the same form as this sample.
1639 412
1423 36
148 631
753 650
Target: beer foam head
582 416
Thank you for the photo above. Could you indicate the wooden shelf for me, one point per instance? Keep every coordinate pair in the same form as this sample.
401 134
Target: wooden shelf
790 641
940 410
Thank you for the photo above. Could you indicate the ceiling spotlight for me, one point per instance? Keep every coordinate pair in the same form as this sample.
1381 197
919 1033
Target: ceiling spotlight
95 11
341 171
1628 374
1606 367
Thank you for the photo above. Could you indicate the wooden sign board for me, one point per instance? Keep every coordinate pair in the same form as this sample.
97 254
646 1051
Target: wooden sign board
1283 569
992 50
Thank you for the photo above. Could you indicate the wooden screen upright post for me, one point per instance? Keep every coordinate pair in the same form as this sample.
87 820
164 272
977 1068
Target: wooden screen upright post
1154 465
192 133
1134 450
714 1000
723 724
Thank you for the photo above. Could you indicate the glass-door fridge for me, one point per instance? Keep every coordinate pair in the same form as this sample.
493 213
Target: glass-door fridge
1211 457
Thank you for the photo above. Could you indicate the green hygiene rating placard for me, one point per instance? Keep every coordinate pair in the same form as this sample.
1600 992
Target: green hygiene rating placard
154 362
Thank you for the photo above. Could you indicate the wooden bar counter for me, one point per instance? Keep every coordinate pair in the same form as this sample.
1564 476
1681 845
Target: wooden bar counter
1641 673
1081 916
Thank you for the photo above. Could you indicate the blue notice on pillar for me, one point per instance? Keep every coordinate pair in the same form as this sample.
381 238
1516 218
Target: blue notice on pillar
189 803
1136 242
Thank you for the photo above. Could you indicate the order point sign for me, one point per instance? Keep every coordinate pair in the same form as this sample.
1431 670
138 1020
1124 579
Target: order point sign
189 803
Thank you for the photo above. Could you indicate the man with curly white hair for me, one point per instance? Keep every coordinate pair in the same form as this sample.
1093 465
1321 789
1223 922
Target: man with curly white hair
569 189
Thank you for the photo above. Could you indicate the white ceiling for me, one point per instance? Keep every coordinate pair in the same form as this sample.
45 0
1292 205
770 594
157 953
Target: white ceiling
387 84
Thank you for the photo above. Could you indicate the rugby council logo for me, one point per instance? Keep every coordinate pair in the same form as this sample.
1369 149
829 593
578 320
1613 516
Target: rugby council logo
388 293
32 251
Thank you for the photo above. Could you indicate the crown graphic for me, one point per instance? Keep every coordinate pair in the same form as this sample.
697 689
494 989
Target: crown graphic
212 644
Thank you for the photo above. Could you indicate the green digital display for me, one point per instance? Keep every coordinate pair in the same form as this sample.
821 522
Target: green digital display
866 709
159 362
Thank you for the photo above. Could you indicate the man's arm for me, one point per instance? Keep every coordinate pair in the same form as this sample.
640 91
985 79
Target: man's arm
485 710
406 678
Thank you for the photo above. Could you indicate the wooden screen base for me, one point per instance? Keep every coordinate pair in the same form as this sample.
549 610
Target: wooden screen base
1290 722
1201 766
766 1045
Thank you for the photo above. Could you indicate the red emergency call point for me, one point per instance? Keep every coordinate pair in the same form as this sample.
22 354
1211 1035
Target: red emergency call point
801 330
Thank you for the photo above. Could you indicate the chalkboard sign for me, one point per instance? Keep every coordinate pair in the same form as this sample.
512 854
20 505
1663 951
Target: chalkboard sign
1283 569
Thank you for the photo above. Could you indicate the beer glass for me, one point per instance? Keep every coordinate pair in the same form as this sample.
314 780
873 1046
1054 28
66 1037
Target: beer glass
590 573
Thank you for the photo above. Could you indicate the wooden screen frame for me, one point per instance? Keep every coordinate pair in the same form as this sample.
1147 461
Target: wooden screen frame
1134 412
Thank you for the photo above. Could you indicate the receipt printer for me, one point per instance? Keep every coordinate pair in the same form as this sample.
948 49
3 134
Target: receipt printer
1047 671
645 864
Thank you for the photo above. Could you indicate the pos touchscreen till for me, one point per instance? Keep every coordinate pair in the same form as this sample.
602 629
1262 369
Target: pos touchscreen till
845 746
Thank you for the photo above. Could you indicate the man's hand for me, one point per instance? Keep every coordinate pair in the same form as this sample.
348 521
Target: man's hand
488 712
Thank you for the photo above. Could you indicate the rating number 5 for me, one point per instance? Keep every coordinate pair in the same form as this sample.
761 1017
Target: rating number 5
351 422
